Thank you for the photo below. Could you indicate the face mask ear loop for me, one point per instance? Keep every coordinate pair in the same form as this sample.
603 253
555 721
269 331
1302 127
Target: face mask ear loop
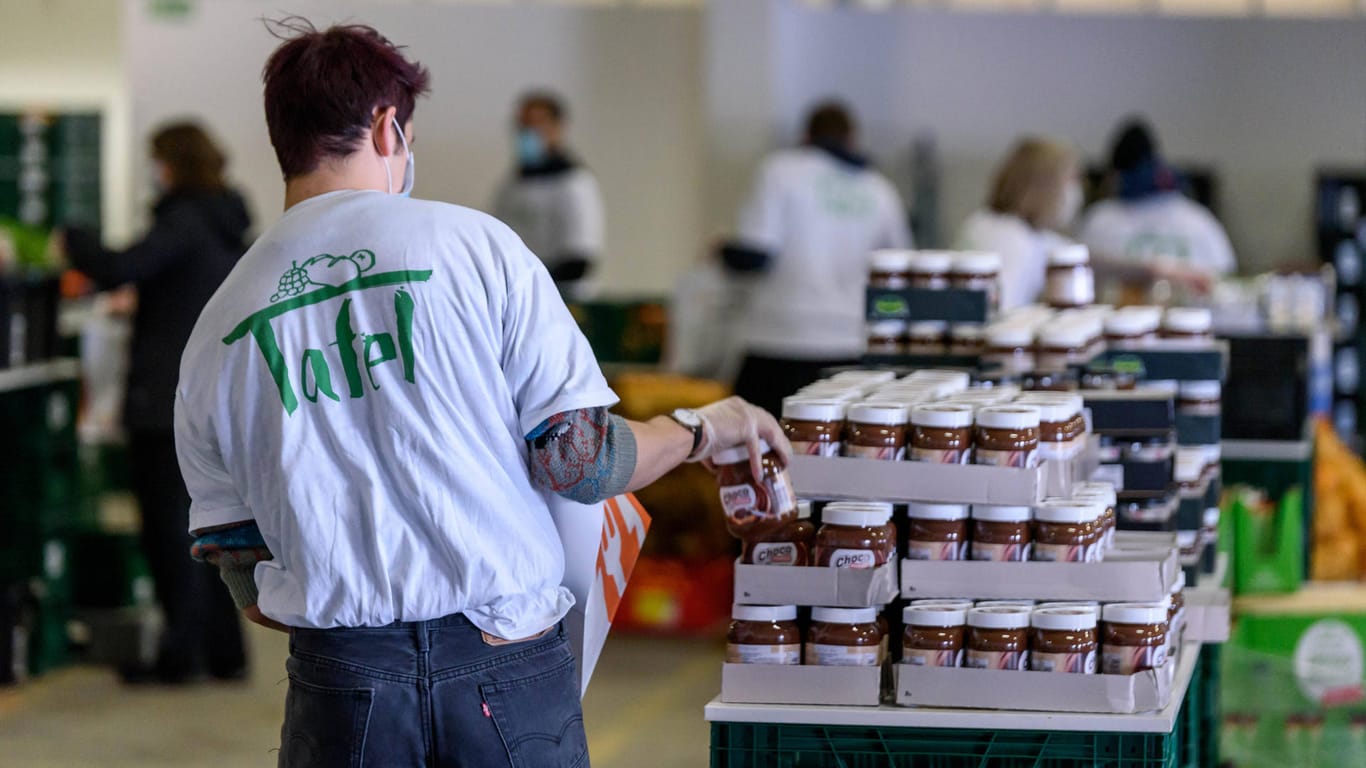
408 155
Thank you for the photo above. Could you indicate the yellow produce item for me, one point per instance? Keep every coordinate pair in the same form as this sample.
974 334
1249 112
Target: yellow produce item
1339 511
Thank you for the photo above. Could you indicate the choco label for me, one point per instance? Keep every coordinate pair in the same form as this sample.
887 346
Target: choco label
941 456
917 657
1126 660
1076 663
744 653
936 550
1009 660
1012 459
843 655
1001 553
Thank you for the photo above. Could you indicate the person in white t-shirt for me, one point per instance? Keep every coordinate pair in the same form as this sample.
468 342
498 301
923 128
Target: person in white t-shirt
1153 231
815 214
551 201
373 414
1036 193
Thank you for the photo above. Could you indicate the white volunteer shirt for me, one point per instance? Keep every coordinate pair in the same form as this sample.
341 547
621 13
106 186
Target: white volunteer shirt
555 215
360 386
1023 249
1166 226
819 219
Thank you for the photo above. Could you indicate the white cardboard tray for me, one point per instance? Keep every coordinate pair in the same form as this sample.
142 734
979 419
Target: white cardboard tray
832 587
1126 575
802 684
816 477
1040 691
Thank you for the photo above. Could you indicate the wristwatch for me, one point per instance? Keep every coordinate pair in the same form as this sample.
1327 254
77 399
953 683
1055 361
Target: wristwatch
688 419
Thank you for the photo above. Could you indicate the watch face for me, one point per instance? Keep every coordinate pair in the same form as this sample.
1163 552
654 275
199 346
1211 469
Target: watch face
687 418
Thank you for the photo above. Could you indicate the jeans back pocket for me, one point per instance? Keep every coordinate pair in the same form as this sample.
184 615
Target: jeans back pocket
540 718
324 727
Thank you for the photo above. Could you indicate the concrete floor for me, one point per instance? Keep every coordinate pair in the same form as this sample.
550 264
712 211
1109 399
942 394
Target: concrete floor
644 707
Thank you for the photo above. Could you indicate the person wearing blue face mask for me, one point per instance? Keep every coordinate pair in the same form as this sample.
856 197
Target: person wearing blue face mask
550 199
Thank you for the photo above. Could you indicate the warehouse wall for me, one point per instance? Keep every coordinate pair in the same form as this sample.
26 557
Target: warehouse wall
68 55
632 78
1263 101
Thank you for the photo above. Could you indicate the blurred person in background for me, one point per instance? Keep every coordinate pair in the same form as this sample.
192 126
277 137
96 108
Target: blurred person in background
1035 195
1152 231
198 233
816 212
551 201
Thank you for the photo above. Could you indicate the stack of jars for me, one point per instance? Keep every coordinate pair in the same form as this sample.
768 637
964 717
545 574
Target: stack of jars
834 637
851 535
1077 530
936 270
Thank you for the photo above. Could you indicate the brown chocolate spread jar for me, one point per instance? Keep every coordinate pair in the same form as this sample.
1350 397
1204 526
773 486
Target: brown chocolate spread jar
1069 281
886 337
1067 531
941 433
927 337
967 339
844 637
876 431
1127 328
1007 436
764 634
788 545
1188 324
1200 398
978 271
1134 637
1103 494
1009 346
930 269
754 506
815 427
937 531
998 638
1002 534
1062 427
1063 640
934 635
855 535
890 268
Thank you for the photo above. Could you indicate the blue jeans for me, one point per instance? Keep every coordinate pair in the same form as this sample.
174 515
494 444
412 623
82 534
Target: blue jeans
431 693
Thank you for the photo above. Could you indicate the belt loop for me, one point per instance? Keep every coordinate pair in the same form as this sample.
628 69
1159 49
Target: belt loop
424 640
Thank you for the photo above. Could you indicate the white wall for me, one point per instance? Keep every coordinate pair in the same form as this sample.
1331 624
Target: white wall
68 55
631 77
1264 101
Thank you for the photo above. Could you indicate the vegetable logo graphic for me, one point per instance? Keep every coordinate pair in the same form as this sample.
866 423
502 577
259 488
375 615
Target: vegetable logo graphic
323 270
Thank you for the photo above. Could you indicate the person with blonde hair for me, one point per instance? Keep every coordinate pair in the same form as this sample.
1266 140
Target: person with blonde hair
1036 193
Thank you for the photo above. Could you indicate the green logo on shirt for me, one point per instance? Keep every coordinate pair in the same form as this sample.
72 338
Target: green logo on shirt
320 279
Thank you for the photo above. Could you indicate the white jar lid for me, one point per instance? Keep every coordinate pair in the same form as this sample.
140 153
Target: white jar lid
1124 323
1074 619
927 328
1065 335
976 263
1213 453
890 260
803 509
927 511
944 602
812 409
859 517
1161 386
1069 255
1085 605
907 400
1008 335
887 328
1200 390
1210 517
931 262
1134 613
1002 514
934 616
1106 496
1185 539
967 332
1188 320
844 615
884 414
1189 465
1053 410
945 415
1071 511
940 375
1013 603
736 454
864 376
1180 581
763 612
1000 616
1008 417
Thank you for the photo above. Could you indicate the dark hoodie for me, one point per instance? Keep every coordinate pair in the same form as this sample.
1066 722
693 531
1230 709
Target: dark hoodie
195 240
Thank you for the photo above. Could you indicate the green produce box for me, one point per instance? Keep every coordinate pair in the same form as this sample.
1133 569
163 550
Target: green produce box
624 331
1268 541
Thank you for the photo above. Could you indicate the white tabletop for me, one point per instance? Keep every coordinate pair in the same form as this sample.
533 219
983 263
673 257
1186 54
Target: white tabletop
890 716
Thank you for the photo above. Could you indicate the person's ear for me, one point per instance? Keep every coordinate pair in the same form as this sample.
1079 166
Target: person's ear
382 131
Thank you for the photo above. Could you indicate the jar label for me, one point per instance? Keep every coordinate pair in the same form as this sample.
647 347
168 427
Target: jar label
774 553
1001 553
853 558
1126 660
917 657
1061 553
946 456
815 448
745 500
789 653
1009 660
1015 459
880 452
825 655
1071 286
1075 663
936 550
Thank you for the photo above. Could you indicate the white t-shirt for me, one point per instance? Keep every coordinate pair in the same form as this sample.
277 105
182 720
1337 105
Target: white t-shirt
819 219
556 215
1167 226
368 410
1023 249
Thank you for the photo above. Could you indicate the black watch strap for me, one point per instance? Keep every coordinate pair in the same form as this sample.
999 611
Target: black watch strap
696 427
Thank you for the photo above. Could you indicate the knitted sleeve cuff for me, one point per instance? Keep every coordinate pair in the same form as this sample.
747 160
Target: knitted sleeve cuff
241 583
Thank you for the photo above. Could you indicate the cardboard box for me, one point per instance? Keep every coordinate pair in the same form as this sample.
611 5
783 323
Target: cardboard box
1172 359
1128 575
1208 615
1128 411
1131 540
815 477
830 587
1036 691
801 684
954 305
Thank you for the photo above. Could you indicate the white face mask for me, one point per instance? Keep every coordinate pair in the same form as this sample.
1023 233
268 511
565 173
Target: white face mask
409 169
1070 205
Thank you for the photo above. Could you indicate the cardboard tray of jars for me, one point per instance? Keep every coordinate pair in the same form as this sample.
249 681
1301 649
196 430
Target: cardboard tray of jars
1141 567
1171 359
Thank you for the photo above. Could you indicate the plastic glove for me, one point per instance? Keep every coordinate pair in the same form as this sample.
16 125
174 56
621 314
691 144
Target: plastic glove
731 422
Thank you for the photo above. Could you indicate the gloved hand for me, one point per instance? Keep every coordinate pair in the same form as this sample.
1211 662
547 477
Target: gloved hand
731 422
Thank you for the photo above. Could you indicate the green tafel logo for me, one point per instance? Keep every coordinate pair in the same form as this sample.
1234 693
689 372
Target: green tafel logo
331 277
